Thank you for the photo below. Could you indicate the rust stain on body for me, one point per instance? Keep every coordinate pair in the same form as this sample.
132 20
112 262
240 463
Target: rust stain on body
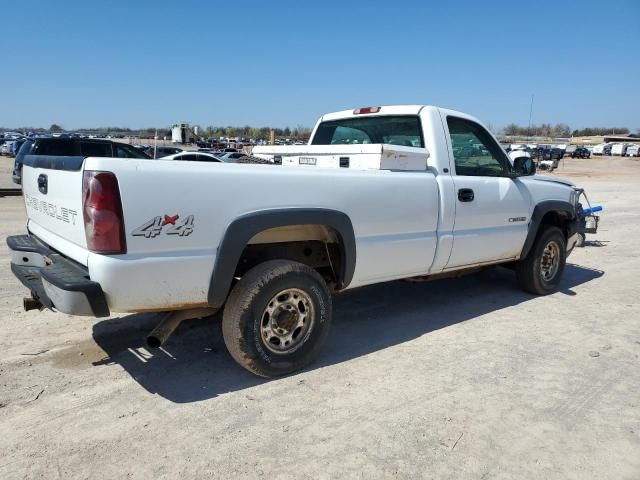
167 308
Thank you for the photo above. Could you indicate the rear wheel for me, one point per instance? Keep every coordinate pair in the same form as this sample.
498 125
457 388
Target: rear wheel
541 270
277 318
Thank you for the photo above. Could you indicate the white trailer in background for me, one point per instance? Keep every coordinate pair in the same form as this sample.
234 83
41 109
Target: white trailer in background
619 149
602 149
633 151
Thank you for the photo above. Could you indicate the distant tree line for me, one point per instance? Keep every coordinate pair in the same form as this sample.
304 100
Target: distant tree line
586 132
253 132
559 130
543 130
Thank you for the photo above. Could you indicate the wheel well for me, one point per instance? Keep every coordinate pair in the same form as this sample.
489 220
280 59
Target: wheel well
318 246
556 219
252 235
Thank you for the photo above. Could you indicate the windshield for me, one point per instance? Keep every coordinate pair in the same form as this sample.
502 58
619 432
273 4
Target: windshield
394 130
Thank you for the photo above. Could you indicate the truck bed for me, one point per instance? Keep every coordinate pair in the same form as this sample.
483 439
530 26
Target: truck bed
394 215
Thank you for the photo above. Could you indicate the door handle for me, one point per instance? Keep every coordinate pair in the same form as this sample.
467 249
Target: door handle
465 195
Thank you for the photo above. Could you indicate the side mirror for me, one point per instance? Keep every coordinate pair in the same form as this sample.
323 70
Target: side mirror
524 166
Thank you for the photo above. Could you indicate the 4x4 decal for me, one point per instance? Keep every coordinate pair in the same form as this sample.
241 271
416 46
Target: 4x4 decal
173 224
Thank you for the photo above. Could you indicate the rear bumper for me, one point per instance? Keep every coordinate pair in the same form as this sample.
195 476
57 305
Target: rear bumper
54 280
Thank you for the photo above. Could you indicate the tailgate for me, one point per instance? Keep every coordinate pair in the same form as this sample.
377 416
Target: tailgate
52 189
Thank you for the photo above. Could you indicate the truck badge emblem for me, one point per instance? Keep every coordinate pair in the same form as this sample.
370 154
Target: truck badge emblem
156 226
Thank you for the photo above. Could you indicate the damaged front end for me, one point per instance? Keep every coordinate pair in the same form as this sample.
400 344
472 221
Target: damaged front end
587 220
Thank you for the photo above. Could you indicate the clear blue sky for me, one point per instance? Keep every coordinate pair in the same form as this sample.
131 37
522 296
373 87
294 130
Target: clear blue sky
142 63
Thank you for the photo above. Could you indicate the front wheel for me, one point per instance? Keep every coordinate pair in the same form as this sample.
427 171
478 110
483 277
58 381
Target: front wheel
541 270
277 318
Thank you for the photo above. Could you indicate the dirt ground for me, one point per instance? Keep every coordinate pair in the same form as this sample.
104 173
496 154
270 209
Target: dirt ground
464 378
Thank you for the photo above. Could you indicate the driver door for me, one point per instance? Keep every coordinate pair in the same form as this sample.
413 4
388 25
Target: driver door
492 210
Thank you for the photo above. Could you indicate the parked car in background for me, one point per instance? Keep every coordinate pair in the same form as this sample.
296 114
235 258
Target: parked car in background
161 152
231 156
193 157
547 153
16 145
581 152
619 149
72 147
7 147
556 153
570 149
12 135
633 151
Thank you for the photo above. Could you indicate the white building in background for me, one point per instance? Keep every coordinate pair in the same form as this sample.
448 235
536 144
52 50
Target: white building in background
182 133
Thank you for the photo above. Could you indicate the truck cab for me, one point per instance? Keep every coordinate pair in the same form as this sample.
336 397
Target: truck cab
485 207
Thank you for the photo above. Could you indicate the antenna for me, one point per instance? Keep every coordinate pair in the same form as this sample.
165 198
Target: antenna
530 113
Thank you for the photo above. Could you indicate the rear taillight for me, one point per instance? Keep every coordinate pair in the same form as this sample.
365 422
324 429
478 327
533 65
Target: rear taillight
102 211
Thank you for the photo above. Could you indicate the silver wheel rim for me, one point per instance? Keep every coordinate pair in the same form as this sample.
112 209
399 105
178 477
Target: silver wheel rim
287 321
550 261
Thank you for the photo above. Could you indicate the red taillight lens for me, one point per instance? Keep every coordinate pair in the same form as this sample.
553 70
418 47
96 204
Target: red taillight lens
363 110
102 211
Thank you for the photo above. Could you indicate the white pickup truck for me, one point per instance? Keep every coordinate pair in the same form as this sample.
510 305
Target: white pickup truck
379 194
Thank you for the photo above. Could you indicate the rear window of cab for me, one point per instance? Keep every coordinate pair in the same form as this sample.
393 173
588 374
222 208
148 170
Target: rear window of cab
405 130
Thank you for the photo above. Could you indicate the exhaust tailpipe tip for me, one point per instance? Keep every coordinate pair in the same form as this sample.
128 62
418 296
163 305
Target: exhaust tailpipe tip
170 322
154 342
163 330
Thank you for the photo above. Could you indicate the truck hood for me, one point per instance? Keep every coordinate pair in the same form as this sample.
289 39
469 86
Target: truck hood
546 178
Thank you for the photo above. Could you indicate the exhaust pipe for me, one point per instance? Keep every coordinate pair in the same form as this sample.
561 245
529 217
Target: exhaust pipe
170 322
30 303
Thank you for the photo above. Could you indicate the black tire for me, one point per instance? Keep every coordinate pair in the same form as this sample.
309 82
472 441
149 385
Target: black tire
532 275
245 320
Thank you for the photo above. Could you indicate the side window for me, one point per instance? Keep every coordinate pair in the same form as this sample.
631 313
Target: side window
188 156
125 151
96 149
205 158
64 148
474 151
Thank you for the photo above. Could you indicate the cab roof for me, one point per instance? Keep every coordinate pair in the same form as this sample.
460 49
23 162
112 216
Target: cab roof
391 110
383 110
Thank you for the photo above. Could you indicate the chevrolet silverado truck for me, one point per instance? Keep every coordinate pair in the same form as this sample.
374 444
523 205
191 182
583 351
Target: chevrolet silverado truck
378 194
